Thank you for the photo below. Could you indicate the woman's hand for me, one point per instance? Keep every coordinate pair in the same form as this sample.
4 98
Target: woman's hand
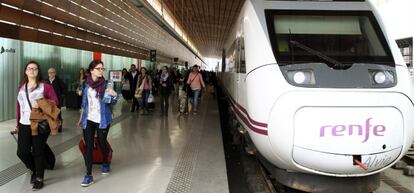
79 124
35 105
111 92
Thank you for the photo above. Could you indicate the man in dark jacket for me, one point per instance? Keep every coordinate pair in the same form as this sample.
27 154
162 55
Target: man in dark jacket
132 76
60 90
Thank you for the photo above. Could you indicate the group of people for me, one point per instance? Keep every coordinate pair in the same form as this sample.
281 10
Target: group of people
137 87
38 113
39 102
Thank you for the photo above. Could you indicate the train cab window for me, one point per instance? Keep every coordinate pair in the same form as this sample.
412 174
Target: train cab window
346 36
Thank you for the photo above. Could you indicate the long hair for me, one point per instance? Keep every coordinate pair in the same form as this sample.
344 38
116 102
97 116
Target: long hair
141 78
25 79
92 65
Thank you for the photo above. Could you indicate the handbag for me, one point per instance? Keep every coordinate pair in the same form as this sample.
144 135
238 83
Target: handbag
150 98
188 90
42 126
125 85
79 91
138 92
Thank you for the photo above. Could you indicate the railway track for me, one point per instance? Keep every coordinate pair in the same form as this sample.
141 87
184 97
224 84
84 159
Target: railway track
409 157
410 153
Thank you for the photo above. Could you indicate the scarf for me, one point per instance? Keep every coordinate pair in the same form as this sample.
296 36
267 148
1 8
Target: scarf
98 85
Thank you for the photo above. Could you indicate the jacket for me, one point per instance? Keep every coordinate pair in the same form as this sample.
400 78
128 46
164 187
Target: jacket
60 89
48 111
170 85
132 80
106 109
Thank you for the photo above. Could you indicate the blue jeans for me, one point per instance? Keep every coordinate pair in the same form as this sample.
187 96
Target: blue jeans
144 101
194 99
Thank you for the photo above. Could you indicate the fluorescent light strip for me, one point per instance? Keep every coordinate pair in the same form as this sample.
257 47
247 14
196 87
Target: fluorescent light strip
10 6
8 22
28 27
43 30
29 12
45 17
58 21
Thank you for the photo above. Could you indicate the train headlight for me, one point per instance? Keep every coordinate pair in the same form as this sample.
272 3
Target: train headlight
302 77
382 77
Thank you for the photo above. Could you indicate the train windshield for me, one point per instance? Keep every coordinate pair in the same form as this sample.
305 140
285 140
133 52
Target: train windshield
313 36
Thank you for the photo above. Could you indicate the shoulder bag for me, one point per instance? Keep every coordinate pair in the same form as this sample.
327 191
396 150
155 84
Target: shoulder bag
43 126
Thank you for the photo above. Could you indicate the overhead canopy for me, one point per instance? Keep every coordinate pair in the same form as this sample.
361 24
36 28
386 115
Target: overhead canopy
207 22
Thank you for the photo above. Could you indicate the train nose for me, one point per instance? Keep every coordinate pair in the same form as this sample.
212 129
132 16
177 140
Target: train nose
347 140
340 133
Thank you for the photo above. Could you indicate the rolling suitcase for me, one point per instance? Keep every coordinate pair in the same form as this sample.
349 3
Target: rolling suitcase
97 156
50 158
182 104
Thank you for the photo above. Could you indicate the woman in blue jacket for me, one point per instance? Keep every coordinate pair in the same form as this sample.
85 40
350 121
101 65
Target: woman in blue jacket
96 115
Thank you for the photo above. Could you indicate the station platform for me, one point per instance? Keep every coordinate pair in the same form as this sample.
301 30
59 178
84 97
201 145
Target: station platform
151 154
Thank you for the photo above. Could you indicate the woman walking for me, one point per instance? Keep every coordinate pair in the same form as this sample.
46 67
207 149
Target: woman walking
166 86
31 143
96 115
144 87
195 80
126 87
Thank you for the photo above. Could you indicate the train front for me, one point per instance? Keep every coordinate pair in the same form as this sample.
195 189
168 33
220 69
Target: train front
346 107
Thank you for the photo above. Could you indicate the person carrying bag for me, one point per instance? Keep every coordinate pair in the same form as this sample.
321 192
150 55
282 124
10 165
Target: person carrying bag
96 117
32 136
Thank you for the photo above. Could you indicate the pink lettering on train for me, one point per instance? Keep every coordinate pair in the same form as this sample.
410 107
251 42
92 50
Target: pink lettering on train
366 130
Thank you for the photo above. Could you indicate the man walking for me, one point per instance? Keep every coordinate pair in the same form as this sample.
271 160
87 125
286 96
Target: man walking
60 90
132 76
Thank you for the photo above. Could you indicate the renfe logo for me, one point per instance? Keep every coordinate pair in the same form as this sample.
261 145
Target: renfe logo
341 130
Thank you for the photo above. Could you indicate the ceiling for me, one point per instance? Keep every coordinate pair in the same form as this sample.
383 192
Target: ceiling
207 22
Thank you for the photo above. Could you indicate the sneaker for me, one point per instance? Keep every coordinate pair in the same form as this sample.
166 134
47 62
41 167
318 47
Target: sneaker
37 185
87 181
105 168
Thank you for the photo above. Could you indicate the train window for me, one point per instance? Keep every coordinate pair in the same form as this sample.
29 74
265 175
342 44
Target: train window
348 37
237 55
230 58
242 57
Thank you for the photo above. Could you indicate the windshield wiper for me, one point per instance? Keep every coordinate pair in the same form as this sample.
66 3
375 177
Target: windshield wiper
336 63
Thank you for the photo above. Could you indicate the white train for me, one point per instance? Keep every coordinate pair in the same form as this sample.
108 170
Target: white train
322 90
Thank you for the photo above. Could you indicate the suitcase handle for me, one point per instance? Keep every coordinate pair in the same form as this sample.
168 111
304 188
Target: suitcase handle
13 133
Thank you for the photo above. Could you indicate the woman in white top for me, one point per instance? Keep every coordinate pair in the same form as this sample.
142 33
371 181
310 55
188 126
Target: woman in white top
96 116
31 146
